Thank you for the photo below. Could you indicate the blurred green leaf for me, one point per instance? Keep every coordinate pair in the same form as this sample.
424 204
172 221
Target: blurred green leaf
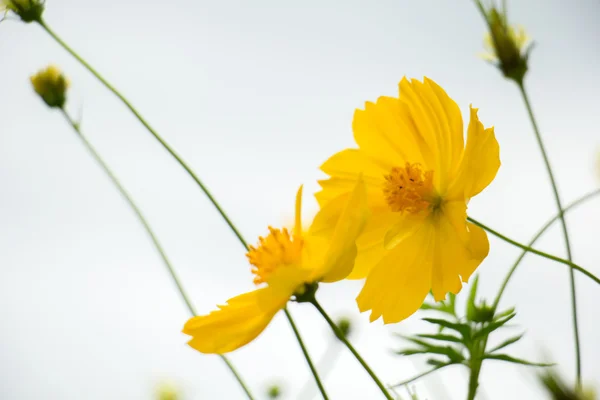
506 343
486 330
471 307
514 360
463 329
442 337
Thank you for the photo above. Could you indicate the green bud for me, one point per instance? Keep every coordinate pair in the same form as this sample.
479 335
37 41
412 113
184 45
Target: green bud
167 391
51 85
506 44
27 10
274 392
344 324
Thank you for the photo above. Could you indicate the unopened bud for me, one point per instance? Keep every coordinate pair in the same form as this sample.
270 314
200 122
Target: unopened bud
344 324
51 85
167 391
274 392
27 10
506 45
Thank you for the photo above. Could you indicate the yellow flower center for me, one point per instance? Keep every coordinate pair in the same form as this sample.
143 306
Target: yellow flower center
278 249
408 189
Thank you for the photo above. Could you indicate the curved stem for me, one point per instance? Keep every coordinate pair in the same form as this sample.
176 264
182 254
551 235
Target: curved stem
150 232
154 133
306 355
536 237
126 102
571 264
563 222
341 336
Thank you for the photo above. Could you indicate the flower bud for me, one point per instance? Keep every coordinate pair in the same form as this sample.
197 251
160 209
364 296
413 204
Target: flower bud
506 45
51 85
274 392
167 391
27 10
344 324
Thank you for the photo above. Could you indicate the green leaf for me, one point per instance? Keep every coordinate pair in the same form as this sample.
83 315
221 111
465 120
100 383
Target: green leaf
507 358
504 314
437 363
491 327
463 329
471 307
429 348
445 338
507 342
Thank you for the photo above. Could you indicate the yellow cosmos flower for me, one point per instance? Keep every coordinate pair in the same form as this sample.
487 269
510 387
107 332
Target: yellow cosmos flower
286 263
419 177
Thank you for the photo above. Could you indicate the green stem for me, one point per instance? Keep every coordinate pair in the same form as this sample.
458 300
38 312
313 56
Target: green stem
325 365
150 232
306 355
148 127
571 264
563 222
475 369
153 132
535 239
341 336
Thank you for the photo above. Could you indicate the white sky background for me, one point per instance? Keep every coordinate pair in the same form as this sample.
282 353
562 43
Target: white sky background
256 95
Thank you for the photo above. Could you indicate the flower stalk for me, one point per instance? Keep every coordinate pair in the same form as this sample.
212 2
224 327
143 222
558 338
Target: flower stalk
342 337
154 133
76 127
565 230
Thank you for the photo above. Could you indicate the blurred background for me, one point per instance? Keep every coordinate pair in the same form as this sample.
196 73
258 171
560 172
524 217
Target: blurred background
255 96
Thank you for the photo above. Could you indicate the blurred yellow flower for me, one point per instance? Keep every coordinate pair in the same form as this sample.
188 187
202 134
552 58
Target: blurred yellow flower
287 264
51 85
419 177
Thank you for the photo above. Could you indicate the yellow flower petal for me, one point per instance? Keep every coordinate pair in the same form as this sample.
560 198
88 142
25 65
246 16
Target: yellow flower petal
439 123
406 226
459 249
351 163
370 242
385 131
396 287
298 217
450 112
237 323
480 162
342 247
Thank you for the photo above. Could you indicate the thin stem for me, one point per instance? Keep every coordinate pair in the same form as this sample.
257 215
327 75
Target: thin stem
237 376
150 232
534 251
126 102
325 365
341 336
306 355
148 127
421 375
535 239
563 222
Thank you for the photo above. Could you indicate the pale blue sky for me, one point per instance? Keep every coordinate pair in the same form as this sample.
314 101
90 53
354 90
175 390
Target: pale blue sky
256 95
